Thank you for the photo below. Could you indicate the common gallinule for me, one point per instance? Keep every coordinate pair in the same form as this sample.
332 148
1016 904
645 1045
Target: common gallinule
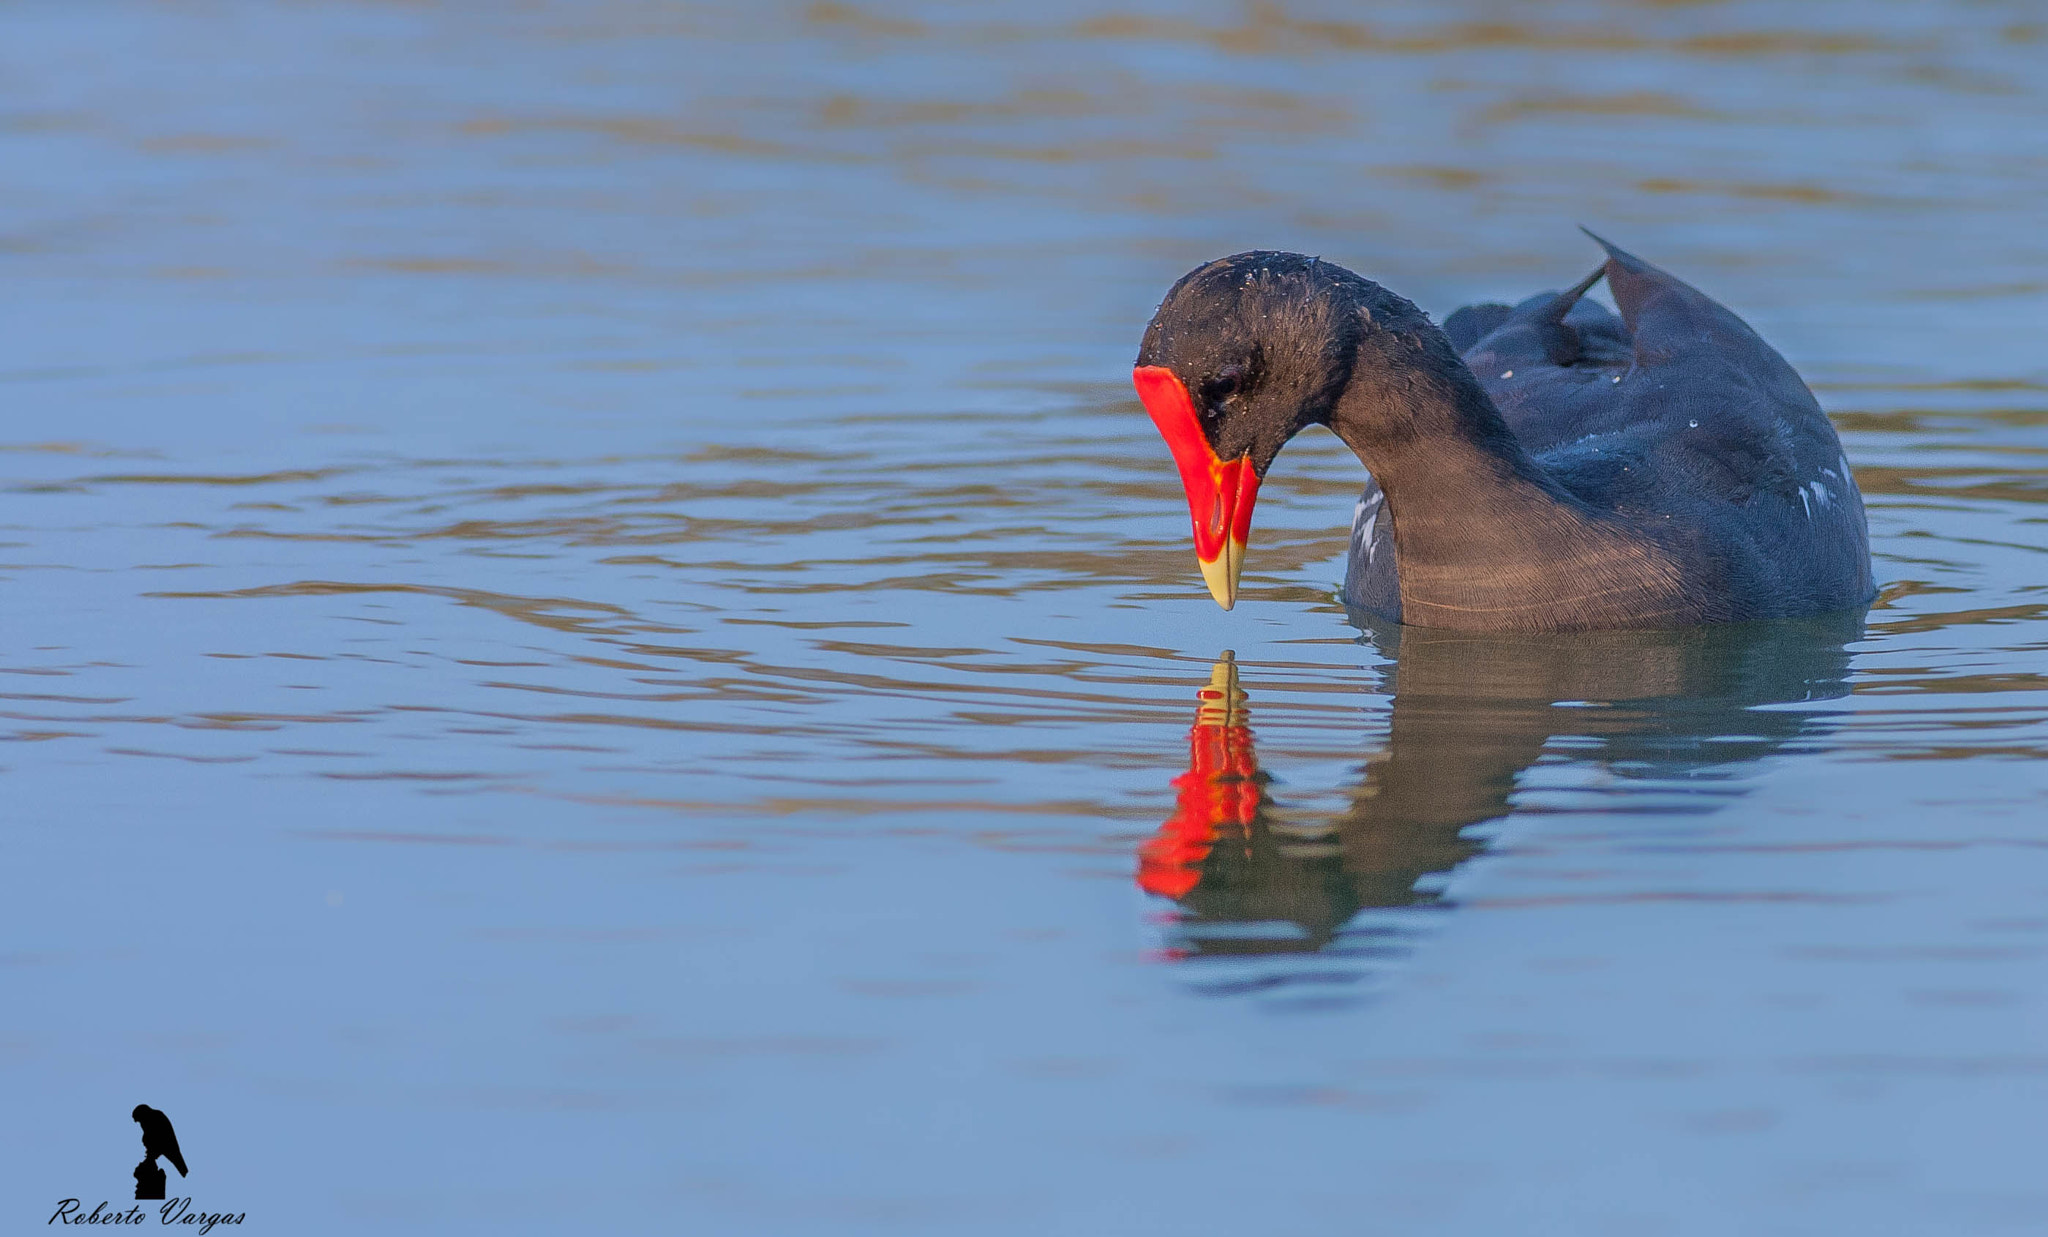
1541 467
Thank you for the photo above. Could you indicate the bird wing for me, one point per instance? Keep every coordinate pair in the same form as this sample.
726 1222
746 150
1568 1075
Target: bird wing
1676 368
1714 401
171 1151
158 1138
1668 318
1468 324
1549 363
1713 392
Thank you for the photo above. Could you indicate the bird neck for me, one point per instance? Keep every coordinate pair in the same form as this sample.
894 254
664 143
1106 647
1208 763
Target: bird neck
1483 536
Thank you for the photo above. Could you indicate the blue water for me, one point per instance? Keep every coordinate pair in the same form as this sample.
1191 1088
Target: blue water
595 639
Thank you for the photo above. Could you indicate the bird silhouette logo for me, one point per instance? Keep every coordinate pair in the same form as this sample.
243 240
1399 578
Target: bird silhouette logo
158 1139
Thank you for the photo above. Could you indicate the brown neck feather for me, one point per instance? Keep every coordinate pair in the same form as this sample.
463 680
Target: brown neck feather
1484 539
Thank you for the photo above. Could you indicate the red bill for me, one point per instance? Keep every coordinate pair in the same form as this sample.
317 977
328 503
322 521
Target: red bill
1220 492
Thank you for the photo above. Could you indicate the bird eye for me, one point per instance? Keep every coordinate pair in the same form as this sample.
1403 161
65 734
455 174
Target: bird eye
1227 382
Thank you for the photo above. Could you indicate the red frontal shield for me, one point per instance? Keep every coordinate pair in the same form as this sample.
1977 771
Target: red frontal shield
1221 493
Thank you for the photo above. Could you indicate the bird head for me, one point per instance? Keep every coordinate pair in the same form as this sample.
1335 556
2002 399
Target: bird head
1242 354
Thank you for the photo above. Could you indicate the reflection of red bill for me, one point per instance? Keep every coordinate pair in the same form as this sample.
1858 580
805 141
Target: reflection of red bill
1220 493
1220 788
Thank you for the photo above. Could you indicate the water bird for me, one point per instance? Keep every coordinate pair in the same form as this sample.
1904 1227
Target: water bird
1546 466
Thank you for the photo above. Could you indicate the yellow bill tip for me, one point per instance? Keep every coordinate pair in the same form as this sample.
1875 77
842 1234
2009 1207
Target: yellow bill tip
1221 573
1222 701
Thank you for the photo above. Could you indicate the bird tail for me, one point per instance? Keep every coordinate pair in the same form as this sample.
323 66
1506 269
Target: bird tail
179 1162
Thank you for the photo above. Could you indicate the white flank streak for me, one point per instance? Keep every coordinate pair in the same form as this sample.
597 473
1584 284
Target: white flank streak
1365 517
1803 501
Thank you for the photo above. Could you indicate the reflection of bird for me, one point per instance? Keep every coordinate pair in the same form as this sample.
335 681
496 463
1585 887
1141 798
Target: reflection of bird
1220 791
1571 470
158 1138
1470 714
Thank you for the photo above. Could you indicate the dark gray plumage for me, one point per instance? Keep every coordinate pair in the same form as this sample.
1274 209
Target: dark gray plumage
1572 470
158 1139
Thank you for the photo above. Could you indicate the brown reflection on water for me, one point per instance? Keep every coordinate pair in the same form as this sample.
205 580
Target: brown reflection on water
1268 28
1469 716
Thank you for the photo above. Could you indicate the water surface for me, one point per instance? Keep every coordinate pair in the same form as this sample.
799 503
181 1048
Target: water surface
594 636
